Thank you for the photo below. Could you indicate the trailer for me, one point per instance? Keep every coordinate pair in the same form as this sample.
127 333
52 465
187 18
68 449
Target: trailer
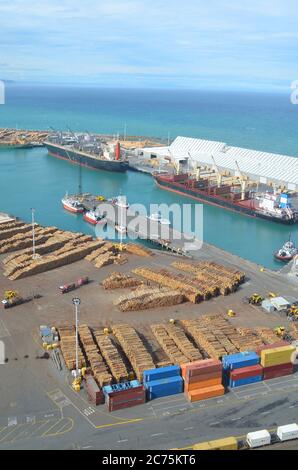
287 432
258 439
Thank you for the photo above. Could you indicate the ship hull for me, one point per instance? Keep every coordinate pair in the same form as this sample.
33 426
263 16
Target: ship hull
72 209
86 160
218 201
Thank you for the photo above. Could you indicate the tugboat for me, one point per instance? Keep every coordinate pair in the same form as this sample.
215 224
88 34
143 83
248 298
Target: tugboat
93 218
72 205
287 252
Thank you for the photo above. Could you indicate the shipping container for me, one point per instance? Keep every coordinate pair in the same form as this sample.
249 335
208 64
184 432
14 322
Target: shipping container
126 398
202 384
229 443
287 432
239 360
161 373
268 375
258 439
276 356
164 387
205 393
94 393
246 372
203 377
203 366
247 381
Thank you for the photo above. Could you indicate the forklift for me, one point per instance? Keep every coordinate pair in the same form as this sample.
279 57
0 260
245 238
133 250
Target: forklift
255 299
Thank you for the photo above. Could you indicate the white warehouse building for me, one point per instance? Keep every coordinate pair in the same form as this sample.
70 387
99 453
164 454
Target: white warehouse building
261 166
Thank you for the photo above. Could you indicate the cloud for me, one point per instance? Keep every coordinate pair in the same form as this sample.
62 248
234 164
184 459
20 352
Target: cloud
148 41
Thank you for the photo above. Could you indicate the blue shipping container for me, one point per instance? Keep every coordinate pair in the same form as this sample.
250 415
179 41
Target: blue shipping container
249 380
164 382
164 387
161 373
239 360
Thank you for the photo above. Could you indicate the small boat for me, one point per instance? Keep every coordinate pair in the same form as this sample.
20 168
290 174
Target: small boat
72 205
121 202
287 252
158 218
121 228
93 218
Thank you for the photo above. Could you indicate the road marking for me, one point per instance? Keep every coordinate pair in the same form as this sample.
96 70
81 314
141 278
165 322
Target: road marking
236 419
214 424
44 423
157 434
120 423
66 427
52 426
89 411
123 440
188 429
265 413
4 333
162 403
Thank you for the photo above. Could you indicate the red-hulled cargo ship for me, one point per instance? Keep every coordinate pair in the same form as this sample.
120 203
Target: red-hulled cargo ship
267 206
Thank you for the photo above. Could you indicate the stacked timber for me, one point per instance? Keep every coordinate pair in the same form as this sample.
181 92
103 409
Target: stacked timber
120 281
10 232
112 356
268 335
169 344
99 367
165 278
134 349
70 253
249 340
22 241
103 248
138 250
68 347
149 297
183 343
224 280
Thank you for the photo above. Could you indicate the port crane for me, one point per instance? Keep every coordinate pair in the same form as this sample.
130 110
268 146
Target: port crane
243 181
218 173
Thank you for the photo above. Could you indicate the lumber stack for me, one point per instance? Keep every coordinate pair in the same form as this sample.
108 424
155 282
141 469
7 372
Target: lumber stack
99 367
178 354
134 349
268 335
70 253
68 347
138 250
14 230
167 279
111 355
248 340
183 343
224 280
148 297
120 281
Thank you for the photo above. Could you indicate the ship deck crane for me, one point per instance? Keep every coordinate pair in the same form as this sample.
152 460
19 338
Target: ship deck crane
218 173
243 181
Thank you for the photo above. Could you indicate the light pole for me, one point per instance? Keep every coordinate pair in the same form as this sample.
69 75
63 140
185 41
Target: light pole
76 301
33 233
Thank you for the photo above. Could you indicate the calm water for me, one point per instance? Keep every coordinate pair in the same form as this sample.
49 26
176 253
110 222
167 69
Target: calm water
32 178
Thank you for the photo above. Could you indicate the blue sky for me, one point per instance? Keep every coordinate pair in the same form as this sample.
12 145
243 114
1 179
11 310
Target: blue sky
232 44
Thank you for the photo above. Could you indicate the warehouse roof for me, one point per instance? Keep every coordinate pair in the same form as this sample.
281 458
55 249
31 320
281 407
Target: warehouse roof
268 165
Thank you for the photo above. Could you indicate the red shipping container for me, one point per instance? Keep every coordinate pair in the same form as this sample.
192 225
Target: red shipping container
204 366
278 344
246 372
120 400
280 370
95 395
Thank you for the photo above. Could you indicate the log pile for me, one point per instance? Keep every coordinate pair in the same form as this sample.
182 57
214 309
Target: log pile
165 278
250 340
99 367
267 334
149 297
111 355
183 343
223 280
68 347
134 349
120 281
14 230
138 250
69 253
22 241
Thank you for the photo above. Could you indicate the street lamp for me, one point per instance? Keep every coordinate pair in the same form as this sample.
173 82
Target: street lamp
33 233
76 301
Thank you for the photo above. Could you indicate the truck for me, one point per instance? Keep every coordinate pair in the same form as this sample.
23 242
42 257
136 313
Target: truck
75 285
287 432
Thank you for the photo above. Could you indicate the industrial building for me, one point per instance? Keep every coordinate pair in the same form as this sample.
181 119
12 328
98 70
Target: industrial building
267 168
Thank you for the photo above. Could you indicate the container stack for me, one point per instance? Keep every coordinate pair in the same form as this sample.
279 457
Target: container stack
277 361
124 395
242 369
202 379
163 382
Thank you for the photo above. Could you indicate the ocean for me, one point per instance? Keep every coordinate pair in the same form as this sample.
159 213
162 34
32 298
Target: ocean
31 178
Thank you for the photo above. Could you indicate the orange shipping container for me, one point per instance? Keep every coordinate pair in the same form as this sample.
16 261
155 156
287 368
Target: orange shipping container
201 378
205 393
204 384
